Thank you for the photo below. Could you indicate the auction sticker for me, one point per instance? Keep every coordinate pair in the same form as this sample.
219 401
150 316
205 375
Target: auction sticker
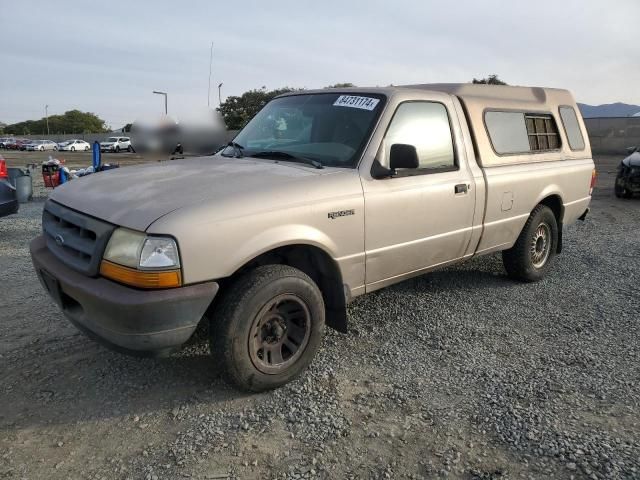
353 101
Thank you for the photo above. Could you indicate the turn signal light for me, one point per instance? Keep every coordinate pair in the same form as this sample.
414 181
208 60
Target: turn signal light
3 168
593 181
140 278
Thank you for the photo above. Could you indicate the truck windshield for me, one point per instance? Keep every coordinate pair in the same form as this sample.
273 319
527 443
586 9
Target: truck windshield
330 128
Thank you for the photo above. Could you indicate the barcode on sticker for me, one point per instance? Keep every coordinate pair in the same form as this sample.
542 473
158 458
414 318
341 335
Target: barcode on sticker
353 101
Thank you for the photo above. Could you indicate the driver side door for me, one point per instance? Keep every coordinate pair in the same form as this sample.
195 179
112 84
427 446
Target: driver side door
418 218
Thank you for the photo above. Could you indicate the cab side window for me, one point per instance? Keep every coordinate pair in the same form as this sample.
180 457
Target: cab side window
425 125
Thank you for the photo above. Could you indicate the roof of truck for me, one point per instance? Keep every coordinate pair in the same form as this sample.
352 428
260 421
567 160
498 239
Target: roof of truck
489 93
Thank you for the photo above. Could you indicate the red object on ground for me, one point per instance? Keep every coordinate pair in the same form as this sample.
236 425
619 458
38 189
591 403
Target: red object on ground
51 175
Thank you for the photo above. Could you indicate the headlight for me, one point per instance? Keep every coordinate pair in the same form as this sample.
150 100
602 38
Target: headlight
136 259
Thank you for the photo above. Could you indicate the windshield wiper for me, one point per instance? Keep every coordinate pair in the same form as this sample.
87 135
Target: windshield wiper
237 150
287 156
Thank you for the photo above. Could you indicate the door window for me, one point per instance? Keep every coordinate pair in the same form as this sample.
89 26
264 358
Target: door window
425 125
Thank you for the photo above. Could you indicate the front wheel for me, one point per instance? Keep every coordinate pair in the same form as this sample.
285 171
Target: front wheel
531 256
117 149
86 149
267 327
73 149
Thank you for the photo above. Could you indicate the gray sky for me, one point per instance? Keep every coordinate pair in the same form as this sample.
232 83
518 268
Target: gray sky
108 58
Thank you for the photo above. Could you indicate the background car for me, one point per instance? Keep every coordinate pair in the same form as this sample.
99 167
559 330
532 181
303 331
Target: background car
116 144
41 145
5 141
18 144
74 145
8 198
628 177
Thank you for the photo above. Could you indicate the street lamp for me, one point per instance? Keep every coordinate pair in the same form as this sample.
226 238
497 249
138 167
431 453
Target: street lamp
46 116
165 99
219 96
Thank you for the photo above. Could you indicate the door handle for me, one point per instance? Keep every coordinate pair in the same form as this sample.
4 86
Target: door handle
461 188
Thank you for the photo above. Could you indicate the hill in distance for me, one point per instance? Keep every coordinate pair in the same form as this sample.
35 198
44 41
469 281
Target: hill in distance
608 110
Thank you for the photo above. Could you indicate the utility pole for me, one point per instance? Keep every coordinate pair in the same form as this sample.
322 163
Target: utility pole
219 95
46 116
165 99
210 65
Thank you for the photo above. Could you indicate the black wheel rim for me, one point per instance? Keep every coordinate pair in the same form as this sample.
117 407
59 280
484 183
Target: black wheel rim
279 334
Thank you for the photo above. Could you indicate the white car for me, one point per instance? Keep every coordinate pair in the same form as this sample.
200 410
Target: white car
116 144
41 145
74 146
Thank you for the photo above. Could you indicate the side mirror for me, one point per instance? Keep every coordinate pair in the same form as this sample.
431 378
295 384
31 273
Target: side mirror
403 156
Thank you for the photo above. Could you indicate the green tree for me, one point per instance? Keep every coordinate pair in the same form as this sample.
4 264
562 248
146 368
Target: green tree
73 121
490 80
237 111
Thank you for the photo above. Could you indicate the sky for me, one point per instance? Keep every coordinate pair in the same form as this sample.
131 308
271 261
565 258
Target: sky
107 58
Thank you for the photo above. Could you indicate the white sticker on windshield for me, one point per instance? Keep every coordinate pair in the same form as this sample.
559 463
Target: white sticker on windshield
353 101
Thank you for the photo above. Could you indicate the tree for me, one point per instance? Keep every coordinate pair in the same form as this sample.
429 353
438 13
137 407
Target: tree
341 85
237 111
491 80
73 121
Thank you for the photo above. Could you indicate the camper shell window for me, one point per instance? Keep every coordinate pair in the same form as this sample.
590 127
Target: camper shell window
521 132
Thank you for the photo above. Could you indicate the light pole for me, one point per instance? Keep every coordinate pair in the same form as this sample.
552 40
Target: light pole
219 95
165 99
46 116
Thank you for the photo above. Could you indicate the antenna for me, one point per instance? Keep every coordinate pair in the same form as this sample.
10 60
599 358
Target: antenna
210 64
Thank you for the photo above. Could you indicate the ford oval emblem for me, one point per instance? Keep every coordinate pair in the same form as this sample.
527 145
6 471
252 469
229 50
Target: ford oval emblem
59 240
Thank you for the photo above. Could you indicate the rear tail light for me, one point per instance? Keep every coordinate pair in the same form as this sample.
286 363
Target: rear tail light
593 181
3 168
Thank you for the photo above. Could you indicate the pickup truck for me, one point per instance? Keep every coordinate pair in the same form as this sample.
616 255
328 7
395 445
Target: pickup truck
324 195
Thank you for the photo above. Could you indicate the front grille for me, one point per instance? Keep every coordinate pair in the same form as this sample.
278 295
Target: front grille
76 239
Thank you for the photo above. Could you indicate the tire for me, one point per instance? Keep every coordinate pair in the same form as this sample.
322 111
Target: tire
270 301
86 149
129 149
55 149
532 255
73 149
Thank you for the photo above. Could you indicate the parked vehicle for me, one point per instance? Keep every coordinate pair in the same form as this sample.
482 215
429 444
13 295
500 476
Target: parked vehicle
116 144
325 195
5 141
41 145
74 146
17 144
628 177
8 197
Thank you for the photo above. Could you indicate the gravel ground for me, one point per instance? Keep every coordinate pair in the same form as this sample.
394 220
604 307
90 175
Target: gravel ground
460 373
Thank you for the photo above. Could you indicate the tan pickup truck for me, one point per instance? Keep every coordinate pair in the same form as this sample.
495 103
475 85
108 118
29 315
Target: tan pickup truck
325 195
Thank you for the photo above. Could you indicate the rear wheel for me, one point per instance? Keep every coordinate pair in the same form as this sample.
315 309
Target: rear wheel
531 256
73 149
86 149
267 327
129 149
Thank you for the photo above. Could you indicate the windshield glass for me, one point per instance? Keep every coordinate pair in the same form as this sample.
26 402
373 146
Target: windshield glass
330 128
112 139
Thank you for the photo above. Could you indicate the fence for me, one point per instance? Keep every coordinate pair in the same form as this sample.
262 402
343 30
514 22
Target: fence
613 135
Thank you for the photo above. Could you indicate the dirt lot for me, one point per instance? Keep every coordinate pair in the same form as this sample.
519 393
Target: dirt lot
460 373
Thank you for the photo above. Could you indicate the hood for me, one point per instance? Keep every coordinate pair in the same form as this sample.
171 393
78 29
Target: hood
632 160
134 197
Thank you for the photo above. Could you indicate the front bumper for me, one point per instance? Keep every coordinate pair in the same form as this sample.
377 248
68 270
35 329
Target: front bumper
123 318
